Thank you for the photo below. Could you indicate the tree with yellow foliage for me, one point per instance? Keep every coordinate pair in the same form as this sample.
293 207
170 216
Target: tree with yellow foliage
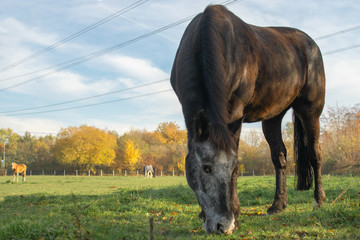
85 147
131 155
171 133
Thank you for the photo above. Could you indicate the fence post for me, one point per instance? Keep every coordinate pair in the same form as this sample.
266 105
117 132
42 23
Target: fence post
253 172
54 172
113 172
137 173
43 172
101 172
125 172
173 172
76 172
89 173
30 172
64 172
264 172
161 173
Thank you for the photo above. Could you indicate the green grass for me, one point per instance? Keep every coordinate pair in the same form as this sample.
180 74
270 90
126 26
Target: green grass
48 207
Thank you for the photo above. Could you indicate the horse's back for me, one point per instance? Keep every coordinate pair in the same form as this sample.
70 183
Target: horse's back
20 168
231 69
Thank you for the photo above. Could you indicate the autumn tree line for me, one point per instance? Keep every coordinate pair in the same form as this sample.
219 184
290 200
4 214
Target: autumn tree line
87 148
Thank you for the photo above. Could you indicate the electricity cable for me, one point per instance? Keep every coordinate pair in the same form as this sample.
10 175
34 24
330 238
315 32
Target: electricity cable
85 98
93 104
82 31
77 61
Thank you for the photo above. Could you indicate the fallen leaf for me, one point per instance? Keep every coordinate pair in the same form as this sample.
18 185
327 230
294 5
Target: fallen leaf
170 220
174 213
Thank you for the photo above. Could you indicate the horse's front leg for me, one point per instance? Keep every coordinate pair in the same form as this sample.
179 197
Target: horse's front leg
272 132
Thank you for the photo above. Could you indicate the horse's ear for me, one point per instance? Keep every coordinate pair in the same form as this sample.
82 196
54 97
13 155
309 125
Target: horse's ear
201 126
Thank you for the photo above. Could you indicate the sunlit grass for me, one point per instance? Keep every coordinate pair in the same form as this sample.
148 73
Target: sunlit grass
48 207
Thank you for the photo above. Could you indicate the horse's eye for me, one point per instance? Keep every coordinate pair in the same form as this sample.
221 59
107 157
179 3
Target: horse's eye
206 168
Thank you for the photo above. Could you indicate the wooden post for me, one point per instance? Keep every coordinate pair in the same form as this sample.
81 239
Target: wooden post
76 172
151 228
54 172
125 172
43 172
113 173
89 173
101 173
64 172
173 172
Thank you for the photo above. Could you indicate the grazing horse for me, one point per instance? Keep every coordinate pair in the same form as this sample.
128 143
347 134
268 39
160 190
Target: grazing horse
18 168
227 72
148 171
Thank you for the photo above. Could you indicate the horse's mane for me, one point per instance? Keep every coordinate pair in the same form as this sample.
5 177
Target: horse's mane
213 76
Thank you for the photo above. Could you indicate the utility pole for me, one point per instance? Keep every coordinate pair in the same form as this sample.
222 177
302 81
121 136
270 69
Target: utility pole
4 164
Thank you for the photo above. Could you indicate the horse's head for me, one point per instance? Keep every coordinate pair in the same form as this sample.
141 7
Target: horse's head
13 165
212 173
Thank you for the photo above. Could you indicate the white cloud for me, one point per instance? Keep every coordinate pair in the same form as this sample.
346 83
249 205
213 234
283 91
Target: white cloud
37 126
140 69
14 32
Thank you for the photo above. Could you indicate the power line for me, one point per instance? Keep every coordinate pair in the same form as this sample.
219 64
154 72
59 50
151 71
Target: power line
341 49
82 31
102 52
86 98
93 104
122 90
75 61
337 33
86 58
121 99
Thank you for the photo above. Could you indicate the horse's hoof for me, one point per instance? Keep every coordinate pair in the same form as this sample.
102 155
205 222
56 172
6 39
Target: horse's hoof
275 209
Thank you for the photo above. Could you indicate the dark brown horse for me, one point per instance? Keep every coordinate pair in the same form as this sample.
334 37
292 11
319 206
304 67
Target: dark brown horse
227 72
18 168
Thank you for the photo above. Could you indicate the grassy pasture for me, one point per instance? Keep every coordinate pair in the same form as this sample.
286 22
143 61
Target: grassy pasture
58 207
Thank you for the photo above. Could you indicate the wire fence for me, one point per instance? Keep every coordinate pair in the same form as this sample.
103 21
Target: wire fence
122 172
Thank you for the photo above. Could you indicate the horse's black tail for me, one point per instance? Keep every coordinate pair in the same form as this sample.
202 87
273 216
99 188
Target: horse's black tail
304 169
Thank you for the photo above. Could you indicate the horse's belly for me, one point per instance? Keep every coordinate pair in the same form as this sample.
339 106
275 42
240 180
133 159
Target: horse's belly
266 110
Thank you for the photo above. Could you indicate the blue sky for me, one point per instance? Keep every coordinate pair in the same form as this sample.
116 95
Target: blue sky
28 26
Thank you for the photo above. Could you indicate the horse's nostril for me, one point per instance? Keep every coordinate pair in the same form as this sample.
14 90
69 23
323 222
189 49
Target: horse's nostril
219 228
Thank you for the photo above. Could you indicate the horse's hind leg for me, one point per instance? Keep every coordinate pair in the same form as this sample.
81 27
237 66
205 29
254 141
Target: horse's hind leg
311 125
272 132
24 176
